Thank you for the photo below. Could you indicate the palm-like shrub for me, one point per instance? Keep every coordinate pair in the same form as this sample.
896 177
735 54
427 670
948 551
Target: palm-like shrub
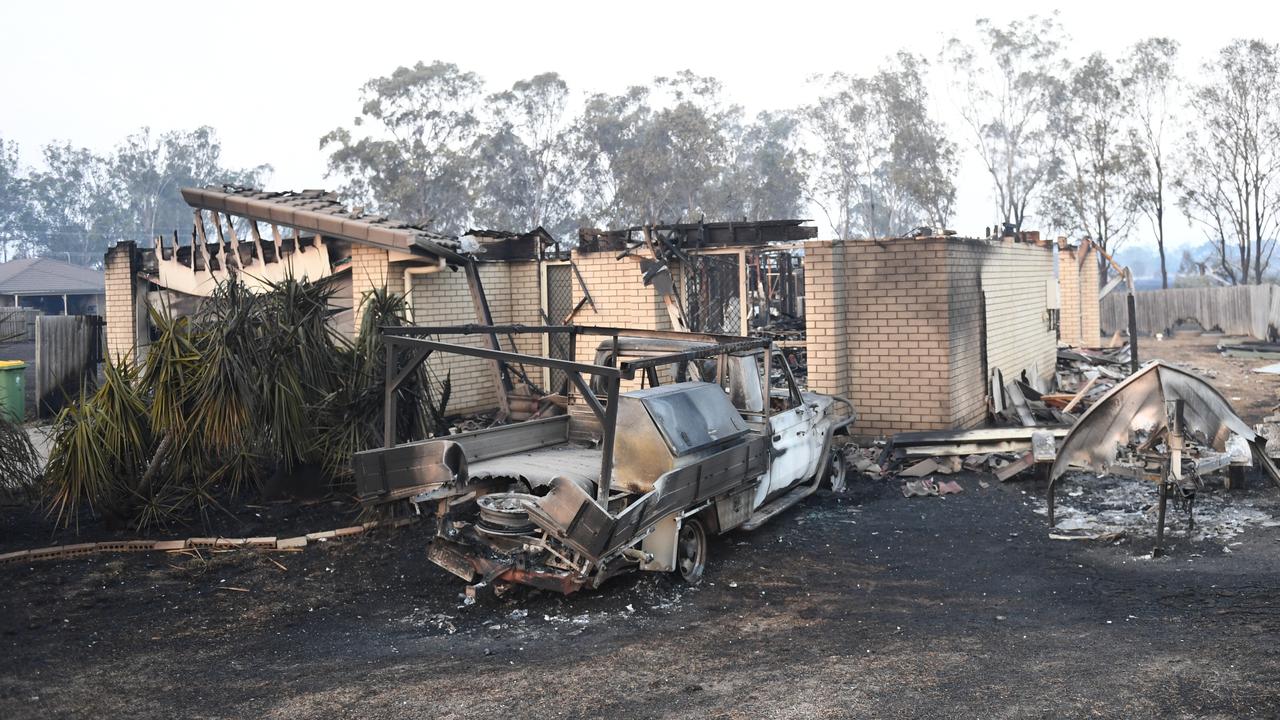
251 384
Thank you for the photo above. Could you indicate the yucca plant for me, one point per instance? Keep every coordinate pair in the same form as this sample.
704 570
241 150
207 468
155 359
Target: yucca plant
354 420
100 447
303 369
248 384
19 464
225 404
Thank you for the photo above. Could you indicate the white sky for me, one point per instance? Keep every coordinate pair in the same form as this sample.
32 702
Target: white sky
272 77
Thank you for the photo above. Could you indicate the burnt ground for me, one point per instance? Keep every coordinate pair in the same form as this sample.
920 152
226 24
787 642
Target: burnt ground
864 604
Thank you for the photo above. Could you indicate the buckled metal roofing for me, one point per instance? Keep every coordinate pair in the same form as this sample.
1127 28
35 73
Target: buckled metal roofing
321 212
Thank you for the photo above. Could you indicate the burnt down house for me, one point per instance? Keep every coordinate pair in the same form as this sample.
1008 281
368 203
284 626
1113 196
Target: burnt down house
911 330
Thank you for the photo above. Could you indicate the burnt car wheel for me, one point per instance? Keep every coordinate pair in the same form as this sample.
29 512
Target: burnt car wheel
839 471
691 551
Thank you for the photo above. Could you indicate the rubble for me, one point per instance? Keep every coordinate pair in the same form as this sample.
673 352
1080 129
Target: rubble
1005 452
1096 507
1164 425
1269 431
1250 349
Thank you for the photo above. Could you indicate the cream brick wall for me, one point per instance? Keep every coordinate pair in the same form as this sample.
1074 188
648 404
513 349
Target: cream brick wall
896 326
120 313
825 318
1013 279
369 270
622 300
444 298
897 334
1078 287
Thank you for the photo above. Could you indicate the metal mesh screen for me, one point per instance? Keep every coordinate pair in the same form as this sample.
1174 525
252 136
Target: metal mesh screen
559 305
711 294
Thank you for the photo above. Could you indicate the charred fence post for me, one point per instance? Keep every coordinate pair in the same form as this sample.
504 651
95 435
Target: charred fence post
1133 332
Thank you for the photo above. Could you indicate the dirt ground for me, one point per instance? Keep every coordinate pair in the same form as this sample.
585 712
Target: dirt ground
862 604
1253 395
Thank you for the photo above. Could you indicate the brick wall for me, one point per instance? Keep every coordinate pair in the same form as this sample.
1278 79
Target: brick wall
1078 291
120 312
894 327
825 318
1010 282
622 300
369 270
444 298
897 326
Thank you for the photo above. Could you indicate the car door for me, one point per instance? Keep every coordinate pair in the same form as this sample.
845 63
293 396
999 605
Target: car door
791 425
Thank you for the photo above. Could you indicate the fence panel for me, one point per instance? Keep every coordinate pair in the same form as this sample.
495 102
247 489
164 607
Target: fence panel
68 350
1252 310
18 324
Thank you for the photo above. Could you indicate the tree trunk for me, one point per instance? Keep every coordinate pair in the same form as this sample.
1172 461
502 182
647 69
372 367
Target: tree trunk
1164 268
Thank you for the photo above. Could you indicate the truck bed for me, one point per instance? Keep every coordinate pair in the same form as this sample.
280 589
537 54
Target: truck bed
541 465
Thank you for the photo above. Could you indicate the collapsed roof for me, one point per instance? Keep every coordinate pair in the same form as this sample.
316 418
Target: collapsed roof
321 212
700 235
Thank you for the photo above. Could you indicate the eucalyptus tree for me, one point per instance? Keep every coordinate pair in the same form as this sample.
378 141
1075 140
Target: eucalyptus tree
1091 191
14 200
765 173
149 168
1150 82
660 153
1008 82
530 166
408 153
881 165
1227 181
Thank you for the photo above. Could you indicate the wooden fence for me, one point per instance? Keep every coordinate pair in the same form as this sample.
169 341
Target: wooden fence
68 350
18 324
1252 310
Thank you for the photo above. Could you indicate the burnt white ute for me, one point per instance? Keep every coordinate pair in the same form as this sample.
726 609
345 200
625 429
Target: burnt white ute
714 435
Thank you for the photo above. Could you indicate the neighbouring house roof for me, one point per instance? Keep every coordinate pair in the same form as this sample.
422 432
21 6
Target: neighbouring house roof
321 212
46 276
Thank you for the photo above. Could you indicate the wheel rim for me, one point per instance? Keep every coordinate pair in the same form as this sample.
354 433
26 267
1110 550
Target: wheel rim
691 556
839 473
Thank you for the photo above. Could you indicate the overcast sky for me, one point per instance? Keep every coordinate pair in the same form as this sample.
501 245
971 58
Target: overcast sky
272 77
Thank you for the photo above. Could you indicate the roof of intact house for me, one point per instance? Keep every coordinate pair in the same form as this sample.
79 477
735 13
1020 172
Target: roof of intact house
321 212
46 276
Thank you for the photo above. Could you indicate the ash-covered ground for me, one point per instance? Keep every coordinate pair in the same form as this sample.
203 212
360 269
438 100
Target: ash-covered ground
862 604
865 604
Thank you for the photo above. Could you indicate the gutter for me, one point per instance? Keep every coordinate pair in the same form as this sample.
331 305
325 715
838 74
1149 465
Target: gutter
409 272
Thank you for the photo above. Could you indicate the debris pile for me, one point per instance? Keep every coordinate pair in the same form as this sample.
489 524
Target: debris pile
1246 349
1108 507
1086 374
1031 422
1166 426
1004 452
1269 432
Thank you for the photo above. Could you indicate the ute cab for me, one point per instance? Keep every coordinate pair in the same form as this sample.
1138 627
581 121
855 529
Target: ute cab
701 443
